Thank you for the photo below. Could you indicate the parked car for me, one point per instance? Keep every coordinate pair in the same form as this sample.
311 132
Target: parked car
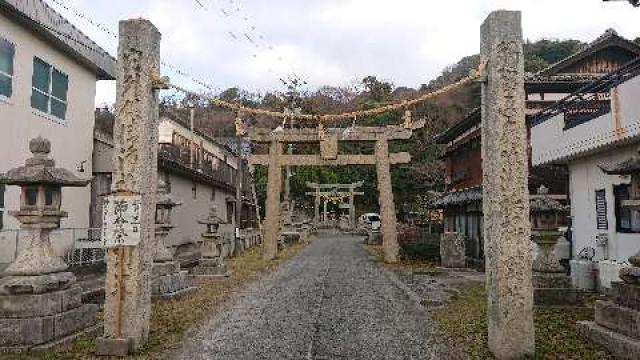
371 221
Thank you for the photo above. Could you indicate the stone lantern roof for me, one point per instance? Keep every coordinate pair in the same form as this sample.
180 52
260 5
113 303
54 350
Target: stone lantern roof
626 167
40 169
545 204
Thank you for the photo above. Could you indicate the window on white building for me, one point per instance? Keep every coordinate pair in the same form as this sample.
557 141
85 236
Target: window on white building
49 89
7 53
213 194
627 220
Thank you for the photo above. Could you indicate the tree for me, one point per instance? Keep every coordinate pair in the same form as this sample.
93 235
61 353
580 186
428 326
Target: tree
376 90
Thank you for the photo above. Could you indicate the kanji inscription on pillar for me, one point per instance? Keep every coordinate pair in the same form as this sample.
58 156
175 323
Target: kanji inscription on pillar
121 220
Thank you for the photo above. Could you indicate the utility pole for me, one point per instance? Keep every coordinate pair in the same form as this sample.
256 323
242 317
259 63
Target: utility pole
293 109
192 160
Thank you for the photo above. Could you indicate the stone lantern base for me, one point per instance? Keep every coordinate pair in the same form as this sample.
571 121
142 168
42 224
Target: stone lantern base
452 250
554 289
210 267
168 281
616 324
35 320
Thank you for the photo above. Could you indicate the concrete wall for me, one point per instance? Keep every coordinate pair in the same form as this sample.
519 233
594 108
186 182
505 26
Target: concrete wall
185 217
71 139
550 143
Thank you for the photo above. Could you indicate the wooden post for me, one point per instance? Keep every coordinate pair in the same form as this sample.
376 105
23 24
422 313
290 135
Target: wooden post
506 198
387 206
274 187
128 279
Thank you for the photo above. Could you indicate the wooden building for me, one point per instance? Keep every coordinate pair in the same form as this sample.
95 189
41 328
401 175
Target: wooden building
462 200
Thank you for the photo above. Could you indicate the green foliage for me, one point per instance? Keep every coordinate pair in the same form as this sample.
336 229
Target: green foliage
550 51
534 63
637 40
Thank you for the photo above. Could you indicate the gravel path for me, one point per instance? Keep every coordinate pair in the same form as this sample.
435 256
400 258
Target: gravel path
328 302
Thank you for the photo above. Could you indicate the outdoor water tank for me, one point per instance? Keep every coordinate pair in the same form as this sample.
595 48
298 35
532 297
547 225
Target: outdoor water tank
582 274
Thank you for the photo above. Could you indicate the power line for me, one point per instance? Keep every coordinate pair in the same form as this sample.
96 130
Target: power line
105 29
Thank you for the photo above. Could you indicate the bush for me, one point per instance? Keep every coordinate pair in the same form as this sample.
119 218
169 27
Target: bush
417 246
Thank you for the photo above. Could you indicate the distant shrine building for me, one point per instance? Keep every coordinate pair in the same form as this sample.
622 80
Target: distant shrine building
462 200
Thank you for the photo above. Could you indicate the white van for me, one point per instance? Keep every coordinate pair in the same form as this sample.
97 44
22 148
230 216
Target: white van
371 221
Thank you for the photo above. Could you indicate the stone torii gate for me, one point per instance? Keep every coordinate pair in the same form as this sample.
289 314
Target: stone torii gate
329 156
332 190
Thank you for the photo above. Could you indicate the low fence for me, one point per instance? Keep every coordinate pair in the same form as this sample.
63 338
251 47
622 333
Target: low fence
84 247
78 247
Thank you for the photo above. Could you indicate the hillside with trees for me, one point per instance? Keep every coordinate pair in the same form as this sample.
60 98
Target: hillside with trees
412 181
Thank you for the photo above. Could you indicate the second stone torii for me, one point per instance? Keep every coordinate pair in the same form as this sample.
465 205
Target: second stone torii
321 191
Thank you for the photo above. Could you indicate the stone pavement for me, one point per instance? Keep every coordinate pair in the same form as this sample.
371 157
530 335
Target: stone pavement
329 302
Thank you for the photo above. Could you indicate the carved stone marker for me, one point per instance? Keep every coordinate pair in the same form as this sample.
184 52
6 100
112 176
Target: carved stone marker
506 200
452 250
40 301
128 280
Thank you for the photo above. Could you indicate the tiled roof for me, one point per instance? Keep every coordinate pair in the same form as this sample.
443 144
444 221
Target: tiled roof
460 197
609 38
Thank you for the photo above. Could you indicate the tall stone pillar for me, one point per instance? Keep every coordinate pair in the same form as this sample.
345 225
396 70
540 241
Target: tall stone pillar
387 206
325 213
316 212
274 187
352 210
128 280
507 230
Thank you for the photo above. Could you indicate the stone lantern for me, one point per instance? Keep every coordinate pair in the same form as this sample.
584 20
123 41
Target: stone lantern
168 280
552 285
212 261
164 208
545 214
39 300
616 321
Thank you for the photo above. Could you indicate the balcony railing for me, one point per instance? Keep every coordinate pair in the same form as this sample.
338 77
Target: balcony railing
200 161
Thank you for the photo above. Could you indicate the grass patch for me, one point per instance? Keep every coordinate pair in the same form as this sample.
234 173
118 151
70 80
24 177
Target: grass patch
171 319
377 253
464 323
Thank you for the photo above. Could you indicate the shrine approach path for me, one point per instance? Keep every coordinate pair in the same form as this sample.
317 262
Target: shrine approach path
328 302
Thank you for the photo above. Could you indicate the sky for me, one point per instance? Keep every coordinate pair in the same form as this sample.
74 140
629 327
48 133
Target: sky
252 44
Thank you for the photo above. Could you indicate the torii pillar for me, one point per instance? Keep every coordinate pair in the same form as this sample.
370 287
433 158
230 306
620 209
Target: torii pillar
385 197
274 187
507 230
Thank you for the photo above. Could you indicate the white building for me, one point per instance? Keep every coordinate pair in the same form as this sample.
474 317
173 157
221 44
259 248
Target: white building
597 126
47 88
48 75
201 174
